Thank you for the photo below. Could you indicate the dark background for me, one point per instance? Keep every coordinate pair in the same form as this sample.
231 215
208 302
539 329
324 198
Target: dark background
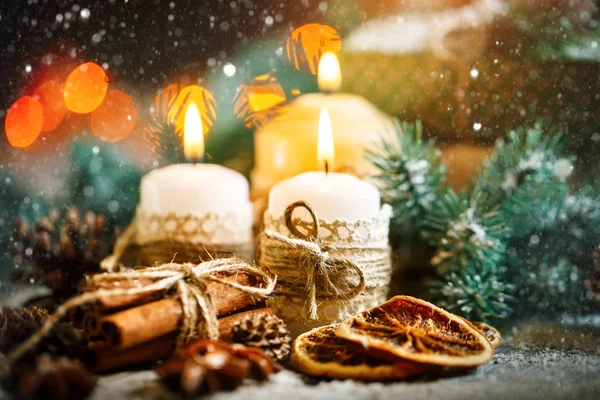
144 42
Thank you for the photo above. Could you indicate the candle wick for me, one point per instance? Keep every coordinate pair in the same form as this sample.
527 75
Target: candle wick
195 160
326 167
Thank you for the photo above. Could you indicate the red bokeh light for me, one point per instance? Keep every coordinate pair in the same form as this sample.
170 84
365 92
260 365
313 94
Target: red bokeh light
50 96
23 122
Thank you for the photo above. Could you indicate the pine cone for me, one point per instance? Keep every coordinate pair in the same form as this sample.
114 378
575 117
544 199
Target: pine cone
19 324
267 332
53 379
59 255
206 366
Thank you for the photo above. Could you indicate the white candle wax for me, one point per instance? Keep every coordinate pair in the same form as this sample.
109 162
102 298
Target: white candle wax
195 189
332 196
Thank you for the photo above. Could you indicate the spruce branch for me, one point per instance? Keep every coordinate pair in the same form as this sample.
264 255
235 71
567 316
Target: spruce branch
545 281
550 266
469 242
411 176
527 177
164 139
579 224
464 231
520 233
474 293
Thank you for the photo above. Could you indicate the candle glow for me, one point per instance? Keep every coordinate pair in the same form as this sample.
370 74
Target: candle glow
193 140
325 152
330 75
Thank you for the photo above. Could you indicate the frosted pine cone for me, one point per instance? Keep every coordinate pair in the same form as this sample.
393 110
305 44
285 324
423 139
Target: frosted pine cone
267 332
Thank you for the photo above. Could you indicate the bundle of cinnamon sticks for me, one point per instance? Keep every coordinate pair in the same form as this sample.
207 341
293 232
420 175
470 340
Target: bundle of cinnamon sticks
134 329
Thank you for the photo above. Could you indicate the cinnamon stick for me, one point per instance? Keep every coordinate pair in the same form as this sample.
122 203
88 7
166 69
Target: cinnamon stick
142 323
91 323
109 303
102 358
228 300
146 322
117 302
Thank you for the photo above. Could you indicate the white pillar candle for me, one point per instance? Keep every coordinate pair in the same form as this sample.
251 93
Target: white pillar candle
198 203
350 219
332 196
195 189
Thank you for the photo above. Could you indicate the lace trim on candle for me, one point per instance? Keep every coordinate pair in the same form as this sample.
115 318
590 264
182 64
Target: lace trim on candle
206 229
374 231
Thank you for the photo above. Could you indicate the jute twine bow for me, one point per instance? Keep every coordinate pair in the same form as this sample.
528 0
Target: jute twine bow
189 282
327 276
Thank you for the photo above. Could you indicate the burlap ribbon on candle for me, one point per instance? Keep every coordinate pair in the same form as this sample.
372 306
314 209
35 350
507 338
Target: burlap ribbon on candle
166 238
309 268
189 284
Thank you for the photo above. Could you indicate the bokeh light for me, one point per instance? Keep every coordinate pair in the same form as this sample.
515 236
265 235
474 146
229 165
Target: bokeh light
306 45
50 96
23 122
85 88
115 118
256 103
203 99
165 97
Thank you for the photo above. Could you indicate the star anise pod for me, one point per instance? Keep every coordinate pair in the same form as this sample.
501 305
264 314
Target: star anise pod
206 366
58 253
53 379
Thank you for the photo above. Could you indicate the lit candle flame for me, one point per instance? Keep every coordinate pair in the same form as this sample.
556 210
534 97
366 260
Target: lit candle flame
193 140
330 75
325 149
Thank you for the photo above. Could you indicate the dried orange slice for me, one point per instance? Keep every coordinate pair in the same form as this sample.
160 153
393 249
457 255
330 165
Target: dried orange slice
490 332
320 353
410 329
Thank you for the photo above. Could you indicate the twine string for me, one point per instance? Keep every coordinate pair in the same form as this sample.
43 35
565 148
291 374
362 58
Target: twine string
288 215
165 250
189 282
329 276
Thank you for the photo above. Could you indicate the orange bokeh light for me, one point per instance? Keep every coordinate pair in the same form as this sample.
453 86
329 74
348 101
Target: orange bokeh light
165 97
23 121
115 118
85 88
50 96
306 44
203 99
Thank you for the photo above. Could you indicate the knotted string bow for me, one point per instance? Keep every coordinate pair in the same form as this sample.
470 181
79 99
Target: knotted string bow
188 280
327 276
